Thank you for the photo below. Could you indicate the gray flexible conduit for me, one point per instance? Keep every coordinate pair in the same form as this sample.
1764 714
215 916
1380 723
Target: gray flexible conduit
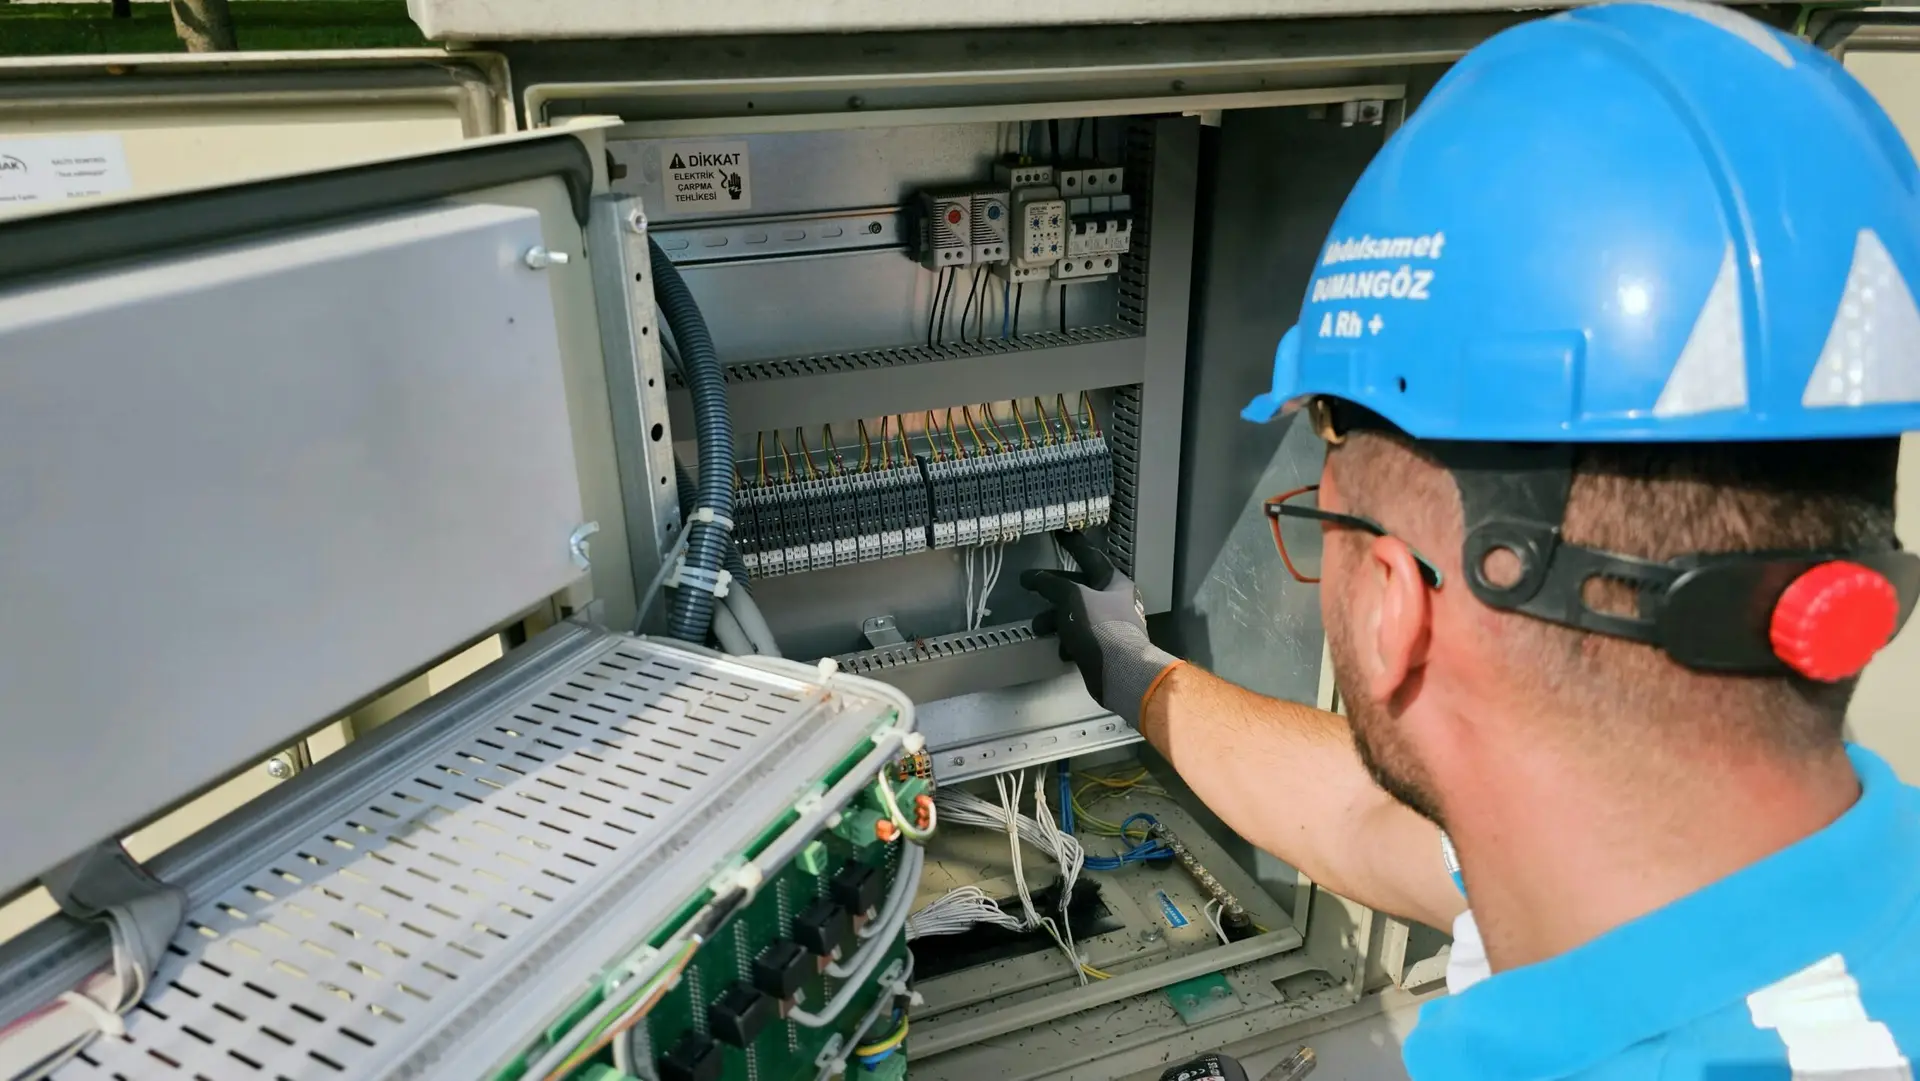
691 613
736 566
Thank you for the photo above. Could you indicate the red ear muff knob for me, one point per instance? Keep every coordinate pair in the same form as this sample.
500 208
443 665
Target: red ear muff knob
1832 620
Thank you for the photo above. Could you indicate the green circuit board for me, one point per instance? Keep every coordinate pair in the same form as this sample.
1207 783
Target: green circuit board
782 1050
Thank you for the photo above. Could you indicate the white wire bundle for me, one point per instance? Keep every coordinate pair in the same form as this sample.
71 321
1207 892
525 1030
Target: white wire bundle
958 910
1212 910
1042 833
992 559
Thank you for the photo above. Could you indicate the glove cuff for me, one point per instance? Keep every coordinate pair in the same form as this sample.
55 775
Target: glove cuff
1131 667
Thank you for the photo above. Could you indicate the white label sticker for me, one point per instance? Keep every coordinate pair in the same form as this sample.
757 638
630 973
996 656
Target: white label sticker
57 167
706 177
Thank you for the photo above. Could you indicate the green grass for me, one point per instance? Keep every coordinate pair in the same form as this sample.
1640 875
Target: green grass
89 28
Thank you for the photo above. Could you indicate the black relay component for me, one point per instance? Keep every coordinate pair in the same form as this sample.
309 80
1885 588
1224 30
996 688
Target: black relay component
740 1013
823 927
859 887
694 1058
782 969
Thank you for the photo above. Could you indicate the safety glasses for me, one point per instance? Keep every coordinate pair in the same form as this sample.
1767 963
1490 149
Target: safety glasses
1297 521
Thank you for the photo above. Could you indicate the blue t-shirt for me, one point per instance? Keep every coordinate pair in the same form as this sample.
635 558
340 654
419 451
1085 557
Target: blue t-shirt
1803 965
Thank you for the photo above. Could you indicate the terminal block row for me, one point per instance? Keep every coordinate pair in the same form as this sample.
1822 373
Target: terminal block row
1000 497
992 496
831 520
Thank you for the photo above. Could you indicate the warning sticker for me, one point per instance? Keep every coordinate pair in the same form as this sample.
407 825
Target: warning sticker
53 168
1169 911
706 176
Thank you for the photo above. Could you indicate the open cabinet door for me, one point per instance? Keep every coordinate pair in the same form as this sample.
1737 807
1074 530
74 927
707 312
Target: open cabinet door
266 448
83 127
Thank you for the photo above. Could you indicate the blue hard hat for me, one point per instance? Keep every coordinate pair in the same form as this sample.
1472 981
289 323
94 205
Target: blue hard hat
1635 221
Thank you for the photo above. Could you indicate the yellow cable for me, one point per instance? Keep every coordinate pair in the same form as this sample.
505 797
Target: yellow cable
993 426
1025 439
1046 425
953 437
1093 420
900 427
806 456
786 460
760 449
1096 973
979 446
885 1045
886 444
1066 416
831 449
933 438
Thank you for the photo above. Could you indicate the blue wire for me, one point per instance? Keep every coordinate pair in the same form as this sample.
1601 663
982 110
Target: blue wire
1006 291
1066 799
1140 853
870 1061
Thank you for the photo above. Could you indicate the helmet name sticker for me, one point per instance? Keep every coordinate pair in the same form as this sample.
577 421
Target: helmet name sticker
1360 248
1406 283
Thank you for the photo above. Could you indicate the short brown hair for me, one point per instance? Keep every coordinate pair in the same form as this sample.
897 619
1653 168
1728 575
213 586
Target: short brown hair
1658 501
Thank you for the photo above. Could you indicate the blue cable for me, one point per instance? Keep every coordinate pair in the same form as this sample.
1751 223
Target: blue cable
1066 799
1006 292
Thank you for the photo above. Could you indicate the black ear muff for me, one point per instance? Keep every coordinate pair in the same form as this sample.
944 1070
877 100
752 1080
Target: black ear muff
1832 619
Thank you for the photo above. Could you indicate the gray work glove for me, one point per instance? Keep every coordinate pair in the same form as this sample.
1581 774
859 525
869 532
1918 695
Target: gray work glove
1102 627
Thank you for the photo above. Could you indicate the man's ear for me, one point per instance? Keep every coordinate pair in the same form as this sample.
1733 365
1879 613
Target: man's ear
1403 626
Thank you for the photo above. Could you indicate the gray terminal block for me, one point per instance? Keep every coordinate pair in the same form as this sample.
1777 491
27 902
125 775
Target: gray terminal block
1079 483
869 516
942 494
746 526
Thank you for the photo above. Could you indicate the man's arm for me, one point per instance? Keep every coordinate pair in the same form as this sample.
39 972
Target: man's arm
1284 776
1287 778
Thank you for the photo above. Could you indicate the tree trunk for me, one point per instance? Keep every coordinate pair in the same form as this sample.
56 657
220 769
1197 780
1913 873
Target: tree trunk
206 26
123 9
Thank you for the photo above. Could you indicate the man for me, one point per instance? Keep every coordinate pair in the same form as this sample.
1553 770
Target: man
1611 346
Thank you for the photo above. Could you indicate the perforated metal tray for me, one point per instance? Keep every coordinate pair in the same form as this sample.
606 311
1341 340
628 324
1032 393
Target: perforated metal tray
433 925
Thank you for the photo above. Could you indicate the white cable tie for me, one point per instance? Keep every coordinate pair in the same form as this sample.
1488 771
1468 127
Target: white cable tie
712 517
714 582
108 1022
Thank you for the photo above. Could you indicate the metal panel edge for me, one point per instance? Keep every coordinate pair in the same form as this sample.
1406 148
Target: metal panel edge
44 245
636 382
483 79
1176 172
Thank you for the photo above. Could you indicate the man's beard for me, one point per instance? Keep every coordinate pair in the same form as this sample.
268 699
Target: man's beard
1389 761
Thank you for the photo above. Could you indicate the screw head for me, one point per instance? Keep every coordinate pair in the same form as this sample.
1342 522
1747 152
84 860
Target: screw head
279 768
637 220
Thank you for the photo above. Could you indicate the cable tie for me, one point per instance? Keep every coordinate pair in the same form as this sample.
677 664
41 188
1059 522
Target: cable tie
712 517
714 582
108 1022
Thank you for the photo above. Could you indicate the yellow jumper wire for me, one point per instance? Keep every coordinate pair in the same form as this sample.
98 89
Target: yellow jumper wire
806 456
